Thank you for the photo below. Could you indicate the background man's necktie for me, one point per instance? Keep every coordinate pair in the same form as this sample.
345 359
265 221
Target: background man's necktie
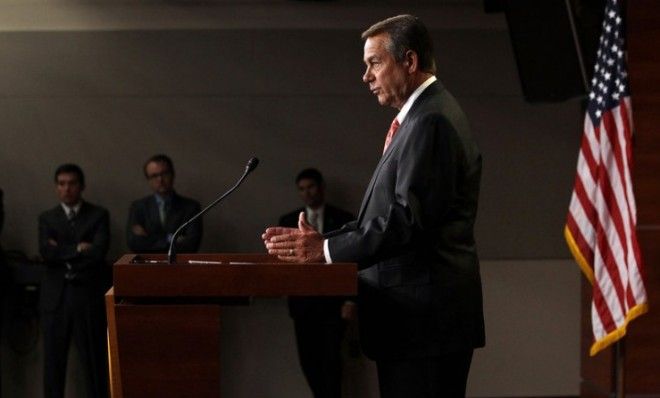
162 212
314 220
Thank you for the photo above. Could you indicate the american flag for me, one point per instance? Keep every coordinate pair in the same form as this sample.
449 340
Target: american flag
600 227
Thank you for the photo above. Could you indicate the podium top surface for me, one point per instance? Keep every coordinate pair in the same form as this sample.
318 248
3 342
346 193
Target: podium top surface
228 275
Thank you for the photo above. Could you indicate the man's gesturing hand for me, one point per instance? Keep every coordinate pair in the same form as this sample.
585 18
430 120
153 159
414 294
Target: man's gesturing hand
301 245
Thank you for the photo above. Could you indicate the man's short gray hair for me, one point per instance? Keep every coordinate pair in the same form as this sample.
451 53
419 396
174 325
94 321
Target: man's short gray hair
406 32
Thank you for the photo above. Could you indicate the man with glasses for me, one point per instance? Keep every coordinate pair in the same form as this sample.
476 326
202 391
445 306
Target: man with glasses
153 219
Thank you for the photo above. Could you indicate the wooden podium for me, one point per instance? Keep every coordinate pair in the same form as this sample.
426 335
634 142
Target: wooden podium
164 319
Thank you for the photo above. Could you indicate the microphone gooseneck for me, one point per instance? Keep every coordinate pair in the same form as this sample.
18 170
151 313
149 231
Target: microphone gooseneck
171 252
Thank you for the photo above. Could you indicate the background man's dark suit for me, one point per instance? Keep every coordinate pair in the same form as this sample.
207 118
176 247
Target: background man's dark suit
419 283
145 213
72 300
318 322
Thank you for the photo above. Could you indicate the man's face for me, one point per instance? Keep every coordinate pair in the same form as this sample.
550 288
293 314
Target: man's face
386 78
68 188
160 177
310 192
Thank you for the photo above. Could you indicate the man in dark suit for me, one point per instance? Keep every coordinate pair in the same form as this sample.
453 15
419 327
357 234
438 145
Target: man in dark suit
419 285
153 219
73 240
320 322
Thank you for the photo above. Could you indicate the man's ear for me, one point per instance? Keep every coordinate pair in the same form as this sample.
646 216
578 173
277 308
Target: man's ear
411 61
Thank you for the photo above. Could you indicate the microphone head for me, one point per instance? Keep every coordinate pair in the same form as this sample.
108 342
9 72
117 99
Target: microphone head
251 165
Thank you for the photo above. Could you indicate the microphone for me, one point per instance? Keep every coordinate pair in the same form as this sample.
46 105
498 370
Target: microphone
249 168
251 165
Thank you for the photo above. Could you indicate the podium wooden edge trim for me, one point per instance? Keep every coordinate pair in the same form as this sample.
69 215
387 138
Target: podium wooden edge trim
229 275
113 348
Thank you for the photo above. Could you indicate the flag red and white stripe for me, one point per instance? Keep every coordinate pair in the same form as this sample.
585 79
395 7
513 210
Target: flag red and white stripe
602 217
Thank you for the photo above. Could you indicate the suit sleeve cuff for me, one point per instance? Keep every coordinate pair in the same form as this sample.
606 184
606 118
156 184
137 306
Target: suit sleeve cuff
326 252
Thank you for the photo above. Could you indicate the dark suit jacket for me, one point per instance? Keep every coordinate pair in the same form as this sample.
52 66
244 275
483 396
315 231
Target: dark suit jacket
318 308
145 212
89 267
419 282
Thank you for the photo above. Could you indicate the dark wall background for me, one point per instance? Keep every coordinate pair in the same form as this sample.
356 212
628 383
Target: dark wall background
212 99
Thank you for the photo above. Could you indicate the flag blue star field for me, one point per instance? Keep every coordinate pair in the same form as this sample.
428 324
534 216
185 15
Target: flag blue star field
601 223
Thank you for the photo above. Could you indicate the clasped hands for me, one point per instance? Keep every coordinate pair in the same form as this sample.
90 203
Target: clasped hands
299 245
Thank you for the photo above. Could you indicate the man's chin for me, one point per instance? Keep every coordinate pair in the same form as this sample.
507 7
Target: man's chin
384 101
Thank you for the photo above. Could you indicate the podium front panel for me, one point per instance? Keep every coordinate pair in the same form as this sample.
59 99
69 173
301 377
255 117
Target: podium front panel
164 319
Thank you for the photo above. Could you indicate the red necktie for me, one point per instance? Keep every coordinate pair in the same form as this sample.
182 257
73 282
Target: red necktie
390 133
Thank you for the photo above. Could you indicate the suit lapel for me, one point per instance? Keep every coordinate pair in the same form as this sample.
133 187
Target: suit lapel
80 220
403 130
370 187
61 224
60 215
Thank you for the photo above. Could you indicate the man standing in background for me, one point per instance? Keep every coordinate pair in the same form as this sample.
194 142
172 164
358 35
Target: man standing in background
153 219
419 289
73 241
320 322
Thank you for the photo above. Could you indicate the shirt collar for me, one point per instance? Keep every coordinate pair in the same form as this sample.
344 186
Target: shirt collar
163 198
319 210
75 208
411 100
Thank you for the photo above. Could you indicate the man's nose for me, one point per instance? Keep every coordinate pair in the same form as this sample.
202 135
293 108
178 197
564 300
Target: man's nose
367 77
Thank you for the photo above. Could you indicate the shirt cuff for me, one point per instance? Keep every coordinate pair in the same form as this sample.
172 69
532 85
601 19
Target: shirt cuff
326 252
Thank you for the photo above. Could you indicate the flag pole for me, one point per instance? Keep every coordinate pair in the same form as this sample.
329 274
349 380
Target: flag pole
618 368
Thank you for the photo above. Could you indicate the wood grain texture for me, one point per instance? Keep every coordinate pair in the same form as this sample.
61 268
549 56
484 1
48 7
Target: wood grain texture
643 340
643 347
169 351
